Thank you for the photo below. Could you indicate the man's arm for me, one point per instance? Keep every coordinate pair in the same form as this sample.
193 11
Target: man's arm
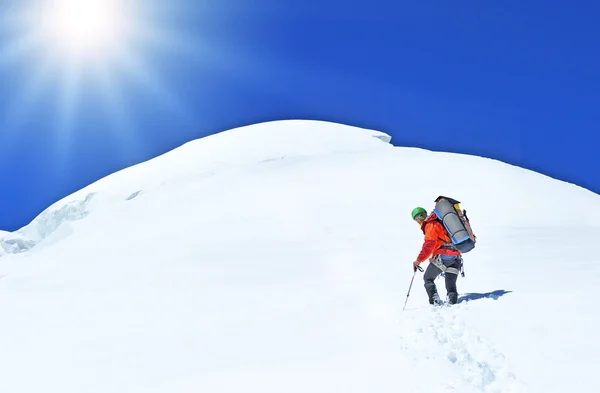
428 244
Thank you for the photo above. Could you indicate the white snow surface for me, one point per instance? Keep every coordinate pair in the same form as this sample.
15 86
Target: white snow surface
276 258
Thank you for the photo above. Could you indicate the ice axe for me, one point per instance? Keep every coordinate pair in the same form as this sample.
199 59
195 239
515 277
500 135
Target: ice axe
411 282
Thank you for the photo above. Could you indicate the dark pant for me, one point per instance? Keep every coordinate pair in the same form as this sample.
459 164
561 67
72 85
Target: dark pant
433 271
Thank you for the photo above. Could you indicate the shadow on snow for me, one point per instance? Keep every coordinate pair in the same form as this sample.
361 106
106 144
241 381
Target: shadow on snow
467 297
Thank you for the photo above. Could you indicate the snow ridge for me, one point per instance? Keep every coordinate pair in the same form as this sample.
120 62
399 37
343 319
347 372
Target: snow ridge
202 158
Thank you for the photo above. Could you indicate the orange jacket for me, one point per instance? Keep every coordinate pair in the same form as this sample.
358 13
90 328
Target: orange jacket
435 237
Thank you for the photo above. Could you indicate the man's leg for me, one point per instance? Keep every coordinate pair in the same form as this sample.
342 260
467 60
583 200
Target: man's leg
429 277
451 279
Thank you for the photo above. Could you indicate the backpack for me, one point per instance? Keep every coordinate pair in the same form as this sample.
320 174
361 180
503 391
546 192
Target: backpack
456 223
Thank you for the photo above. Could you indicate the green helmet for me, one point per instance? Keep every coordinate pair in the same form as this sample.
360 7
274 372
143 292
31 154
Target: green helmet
417 211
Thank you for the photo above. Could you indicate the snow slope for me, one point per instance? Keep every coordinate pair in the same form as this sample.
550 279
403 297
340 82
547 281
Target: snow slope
276 258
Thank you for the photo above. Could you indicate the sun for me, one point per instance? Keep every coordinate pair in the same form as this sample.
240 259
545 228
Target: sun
80 29
84 57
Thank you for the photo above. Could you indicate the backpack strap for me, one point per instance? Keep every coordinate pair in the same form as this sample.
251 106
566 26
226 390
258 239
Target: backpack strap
448 245
462 214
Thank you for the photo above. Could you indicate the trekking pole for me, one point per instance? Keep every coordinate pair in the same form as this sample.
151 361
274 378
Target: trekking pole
411 282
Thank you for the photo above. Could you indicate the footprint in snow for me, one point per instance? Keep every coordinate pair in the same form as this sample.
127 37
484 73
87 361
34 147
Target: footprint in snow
446 339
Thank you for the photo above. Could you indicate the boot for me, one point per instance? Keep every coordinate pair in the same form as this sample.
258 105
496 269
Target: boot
452 297
435 300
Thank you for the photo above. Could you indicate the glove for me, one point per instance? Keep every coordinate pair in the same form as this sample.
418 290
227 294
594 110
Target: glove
416 266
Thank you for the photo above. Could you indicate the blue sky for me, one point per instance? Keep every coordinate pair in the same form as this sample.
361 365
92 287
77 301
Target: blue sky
514 80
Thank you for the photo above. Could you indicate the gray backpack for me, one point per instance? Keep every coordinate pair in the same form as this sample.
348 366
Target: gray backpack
456 223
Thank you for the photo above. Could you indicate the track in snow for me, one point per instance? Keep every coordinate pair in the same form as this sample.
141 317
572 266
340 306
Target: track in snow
447 355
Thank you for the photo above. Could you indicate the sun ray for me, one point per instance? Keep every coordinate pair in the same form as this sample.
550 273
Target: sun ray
162 39
39 81
67 107
17 49
118 112
135 68
14 18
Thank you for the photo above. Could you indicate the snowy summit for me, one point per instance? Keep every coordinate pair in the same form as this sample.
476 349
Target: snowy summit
276 258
